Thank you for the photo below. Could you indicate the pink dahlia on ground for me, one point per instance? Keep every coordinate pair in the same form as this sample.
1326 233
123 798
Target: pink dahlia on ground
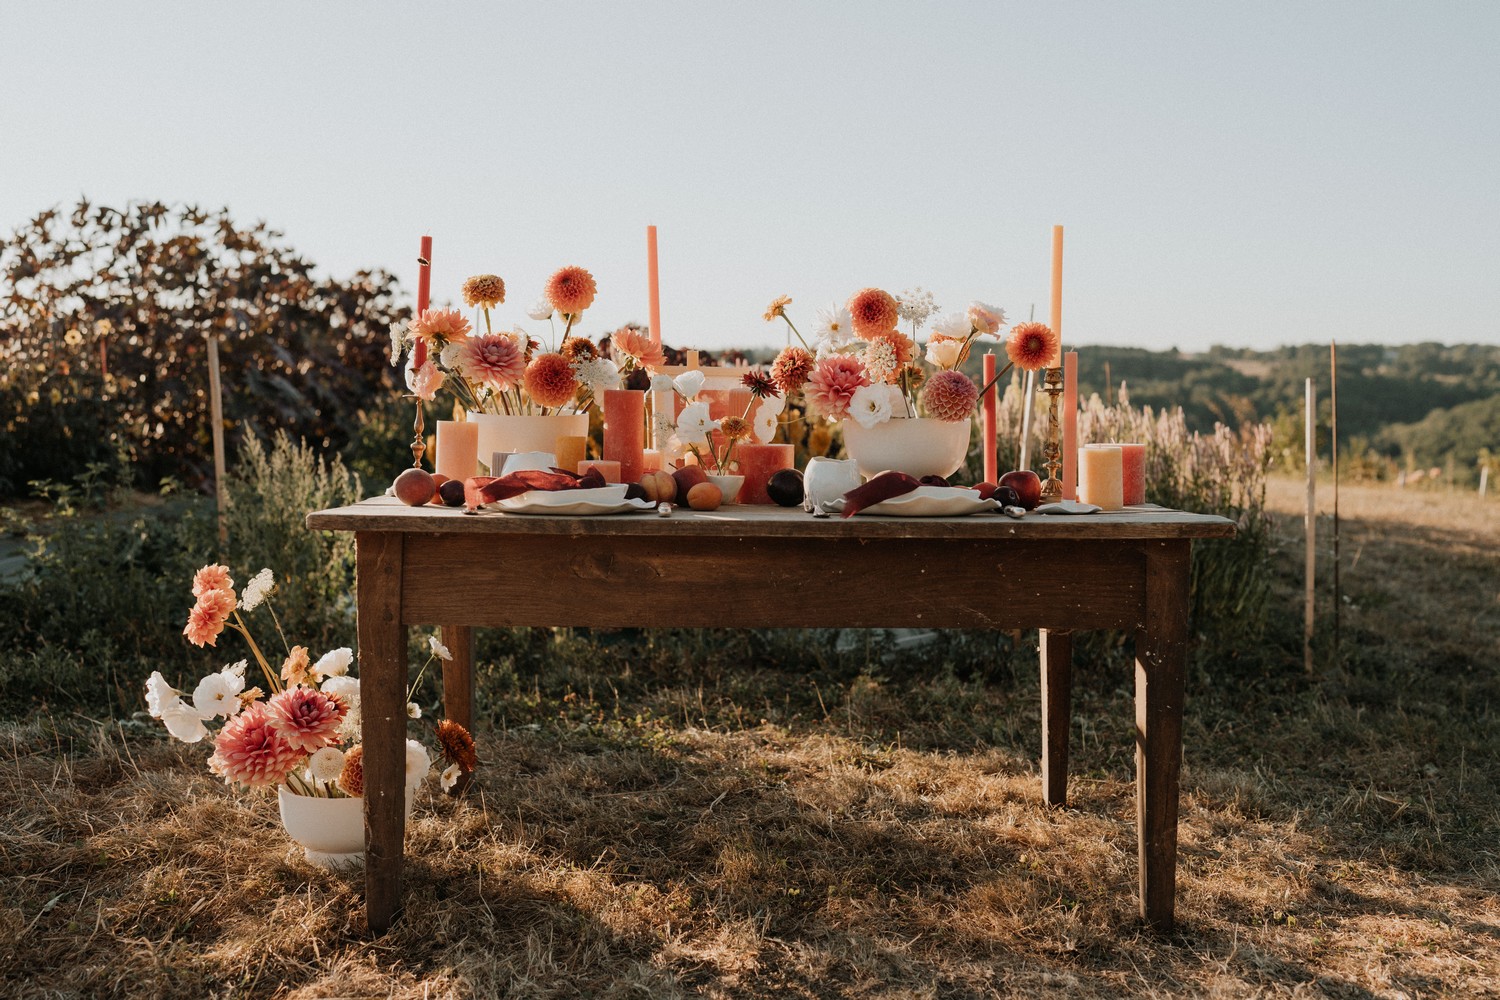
872 311
832 384
1031 345
638 346
550 380
306 718
950 395
211 577
250 751
570 290
791 368
440 326
495 360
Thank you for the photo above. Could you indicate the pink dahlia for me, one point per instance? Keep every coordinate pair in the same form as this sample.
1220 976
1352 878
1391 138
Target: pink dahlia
440 326
211 577
1031 345
551 381
791 368
570 290
218 602
495 360
950 396
306 718
638 346
250 751
833 383
872 311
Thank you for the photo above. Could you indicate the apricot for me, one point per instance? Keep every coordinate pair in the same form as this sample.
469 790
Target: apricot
414 487
705 496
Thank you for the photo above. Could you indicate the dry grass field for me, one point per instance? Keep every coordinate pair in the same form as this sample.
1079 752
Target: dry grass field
733 829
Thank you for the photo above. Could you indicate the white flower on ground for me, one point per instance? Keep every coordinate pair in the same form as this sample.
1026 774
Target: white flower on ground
334 663
540 309
438 648
158 694
955 325
325 764
693 424
943 353
597 374
688 383
257 589
183 721
418 763
413 710
451 774
870 405
218 694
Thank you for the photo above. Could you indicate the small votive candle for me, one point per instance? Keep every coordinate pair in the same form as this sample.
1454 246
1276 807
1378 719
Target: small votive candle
608 469
457 449
571 449
650 461
1133 472
1100 476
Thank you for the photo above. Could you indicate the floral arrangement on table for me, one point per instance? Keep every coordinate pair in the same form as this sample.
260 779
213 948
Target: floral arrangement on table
302 730
509 371
711 442
863 367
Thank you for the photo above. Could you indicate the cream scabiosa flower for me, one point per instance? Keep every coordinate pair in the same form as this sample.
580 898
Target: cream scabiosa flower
326 763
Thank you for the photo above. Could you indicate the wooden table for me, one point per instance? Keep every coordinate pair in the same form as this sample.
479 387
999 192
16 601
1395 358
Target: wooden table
440 566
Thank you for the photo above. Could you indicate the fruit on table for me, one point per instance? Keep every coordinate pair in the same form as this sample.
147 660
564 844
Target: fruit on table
414 487
785 487
438 479
687 477
705 496
452 492
933 481
986 490
659 486
1027 486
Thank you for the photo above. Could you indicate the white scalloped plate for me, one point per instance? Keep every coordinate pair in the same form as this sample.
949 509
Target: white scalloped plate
932 501
577 503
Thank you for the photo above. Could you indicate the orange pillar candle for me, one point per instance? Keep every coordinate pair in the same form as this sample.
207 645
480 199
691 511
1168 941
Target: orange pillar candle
1132 473
609 470
457 449
758 463
1070 426
625 431
1101 475
655 288
991 395
570 450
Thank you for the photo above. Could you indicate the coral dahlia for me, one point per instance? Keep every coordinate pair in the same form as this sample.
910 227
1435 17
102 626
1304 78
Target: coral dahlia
570 290
212 577
1031 345
550 380
832 384
639 347
950 395
791 368
872 311
306 718
440 326
495 360
250 751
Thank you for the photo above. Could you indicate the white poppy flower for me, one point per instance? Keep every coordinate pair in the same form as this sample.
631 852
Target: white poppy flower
183 721
218 694
439 648
693 424
346 687
870 405
451 774
418 763
953 325
326 763
334 663
541 309
689 382
158 694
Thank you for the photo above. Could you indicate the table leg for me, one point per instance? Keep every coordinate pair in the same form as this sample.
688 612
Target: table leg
1057 714
458 685
382 696
1160 652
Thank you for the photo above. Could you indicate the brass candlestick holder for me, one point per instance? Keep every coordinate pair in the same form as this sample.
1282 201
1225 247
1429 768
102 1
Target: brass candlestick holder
418 442
1052 487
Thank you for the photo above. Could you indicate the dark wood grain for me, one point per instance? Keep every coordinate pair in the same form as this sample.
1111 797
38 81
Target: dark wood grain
1160 654
382 696
1057 714
458 685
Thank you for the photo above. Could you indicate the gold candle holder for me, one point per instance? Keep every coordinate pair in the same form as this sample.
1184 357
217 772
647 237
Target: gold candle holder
418 442
1052 487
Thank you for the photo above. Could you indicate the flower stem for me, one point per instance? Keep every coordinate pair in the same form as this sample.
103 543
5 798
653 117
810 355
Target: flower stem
239 626
795 330
277 621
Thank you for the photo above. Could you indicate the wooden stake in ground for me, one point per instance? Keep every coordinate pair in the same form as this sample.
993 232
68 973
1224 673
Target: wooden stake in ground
1333 434
1310 419
216 414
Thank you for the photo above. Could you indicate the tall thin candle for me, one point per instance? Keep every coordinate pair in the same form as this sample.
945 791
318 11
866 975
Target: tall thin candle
1056 320
651 278
1070 426
424 291
991 395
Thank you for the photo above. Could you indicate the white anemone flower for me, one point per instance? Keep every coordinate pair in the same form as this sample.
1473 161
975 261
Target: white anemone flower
334 663
218 694
418 763
540 309
689 383
870 405
183 721
955 325
451 774
438 648
326 764
257 590
693 424
158 694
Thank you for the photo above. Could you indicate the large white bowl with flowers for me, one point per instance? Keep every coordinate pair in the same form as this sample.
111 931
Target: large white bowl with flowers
917 446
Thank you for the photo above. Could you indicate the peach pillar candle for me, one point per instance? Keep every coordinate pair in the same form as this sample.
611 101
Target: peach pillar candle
609 470
1100 476
758 463
1056 323
655 288
1070 426
1132 472
991 394
457 449
650 461
625 431
570 450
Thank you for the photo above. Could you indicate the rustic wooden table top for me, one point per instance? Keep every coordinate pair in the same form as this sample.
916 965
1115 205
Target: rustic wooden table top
387 514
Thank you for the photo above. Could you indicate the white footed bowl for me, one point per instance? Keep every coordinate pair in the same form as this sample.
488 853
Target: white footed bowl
920 446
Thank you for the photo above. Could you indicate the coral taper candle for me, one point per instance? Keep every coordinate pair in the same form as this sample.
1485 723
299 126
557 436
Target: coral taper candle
424 292
655 286
1070 426
625 431
991 396
1056 324
1101 475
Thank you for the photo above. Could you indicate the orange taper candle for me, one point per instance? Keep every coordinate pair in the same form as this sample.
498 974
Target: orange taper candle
991 394
1056 323
424 290
655 287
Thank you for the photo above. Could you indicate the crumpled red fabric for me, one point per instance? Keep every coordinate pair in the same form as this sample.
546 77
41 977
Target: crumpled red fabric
480 490
882 487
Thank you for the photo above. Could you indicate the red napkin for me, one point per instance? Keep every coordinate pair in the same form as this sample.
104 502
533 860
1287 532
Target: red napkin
481 490
882 487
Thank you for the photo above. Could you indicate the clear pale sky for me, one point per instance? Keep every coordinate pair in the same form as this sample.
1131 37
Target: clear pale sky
1247 174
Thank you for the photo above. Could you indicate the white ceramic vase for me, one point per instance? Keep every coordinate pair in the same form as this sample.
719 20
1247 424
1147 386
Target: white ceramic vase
331 832
729 485
920 446
506 433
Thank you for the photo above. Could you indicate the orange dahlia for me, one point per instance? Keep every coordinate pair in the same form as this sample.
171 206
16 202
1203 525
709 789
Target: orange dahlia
570 290
440 326
212 577
484 290
550 380
790 369
872 311
1031 345
950 396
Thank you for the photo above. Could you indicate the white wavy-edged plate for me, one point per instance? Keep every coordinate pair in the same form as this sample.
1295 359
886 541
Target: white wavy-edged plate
578 503
932 501
1068 507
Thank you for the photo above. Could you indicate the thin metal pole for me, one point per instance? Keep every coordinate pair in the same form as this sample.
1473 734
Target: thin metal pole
1310 419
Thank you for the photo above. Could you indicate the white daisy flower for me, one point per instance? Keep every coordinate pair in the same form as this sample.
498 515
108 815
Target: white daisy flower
257 590
870 405
439 648
326 764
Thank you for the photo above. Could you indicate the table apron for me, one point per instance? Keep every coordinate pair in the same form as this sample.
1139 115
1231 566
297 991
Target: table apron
767 582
